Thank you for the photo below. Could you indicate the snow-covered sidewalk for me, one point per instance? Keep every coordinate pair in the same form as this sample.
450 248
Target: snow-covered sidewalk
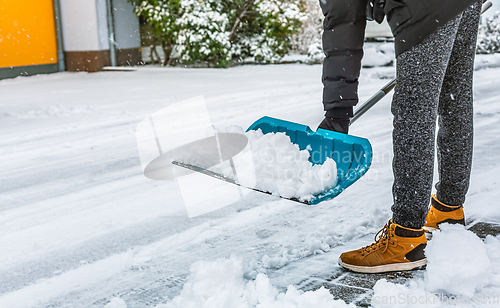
81 226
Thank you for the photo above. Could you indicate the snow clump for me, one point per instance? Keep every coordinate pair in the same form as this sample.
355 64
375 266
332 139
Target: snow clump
458 261
116 303
279 166
221 283
283 169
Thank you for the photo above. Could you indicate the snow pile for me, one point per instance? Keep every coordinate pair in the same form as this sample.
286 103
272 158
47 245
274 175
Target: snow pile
374 54
315 53
282 169
378 54
462 270
487 61
222 284
458 261
116 303
493 249
387 294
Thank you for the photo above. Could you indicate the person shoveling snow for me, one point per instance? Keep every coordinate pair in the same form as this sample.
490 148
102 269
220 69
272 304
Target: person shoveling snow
435 46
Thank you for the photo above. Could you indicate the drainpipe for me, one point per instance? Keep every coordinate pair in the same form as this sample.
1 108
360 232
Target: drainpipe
60 46
111 32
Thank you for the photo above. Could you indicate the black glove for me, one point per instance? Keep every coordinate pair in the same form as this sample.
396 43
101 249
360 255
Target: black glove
375 10
336 125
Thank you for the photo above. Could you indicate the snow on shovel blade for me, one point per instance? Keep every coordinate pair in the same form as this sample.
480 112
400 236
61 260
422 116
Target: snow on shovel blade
351 154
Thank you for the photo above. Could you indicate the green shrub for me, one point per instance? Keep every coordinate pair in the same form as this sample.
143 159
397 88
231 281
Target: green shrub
214 31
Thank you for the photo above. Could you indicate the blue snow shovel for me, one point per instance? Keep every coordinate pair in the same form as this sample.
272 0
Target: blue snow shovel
353 155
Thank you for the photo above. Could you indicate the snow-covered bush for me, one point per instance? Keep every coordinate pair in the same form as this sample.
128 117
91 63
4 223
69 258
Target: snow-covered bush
315 53
264 28
489 35
281 20
309 35
162 16
192 30
213 31
203 35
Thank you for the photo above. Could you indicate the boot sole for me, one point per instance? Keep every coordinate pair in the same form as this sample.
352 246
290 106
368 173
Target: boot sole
395 267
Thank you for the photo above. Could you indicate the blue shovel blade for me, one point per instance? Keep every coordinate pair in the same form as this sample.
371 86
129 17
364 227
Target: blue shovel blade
353 155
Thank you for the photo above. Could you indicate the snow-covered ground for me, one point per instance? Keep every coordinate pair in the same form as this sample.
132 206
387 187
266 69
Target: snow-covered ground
81 226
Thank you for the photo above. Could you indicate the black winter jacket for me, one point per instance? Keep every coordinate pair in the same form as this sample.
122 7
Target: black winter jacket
411 22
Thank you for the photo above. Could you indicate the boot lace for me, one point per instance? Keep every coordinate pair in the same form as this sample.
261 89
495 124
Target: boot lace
382 239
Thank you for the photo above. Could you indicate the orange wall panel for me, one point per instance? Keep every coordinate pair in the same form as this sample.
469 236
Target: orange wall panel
27 33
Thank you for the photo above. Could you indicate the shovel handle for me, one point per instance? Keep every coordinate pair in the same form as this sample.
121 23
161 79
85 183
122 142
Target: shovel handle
388 87
373 100
486 6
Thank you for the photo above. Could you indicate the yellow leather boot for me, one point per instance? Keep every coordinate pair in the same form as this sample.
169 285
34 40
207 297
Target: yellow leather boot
396 248
441 213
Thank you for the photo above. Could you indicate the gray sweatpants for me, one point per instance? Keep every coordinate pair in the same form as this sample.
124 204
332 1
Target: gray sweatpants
434 78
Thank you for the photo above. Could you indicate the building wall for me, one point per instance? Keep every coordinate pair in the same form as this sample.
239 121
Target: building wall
85 34
102 24
127 33
27 36
79 23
